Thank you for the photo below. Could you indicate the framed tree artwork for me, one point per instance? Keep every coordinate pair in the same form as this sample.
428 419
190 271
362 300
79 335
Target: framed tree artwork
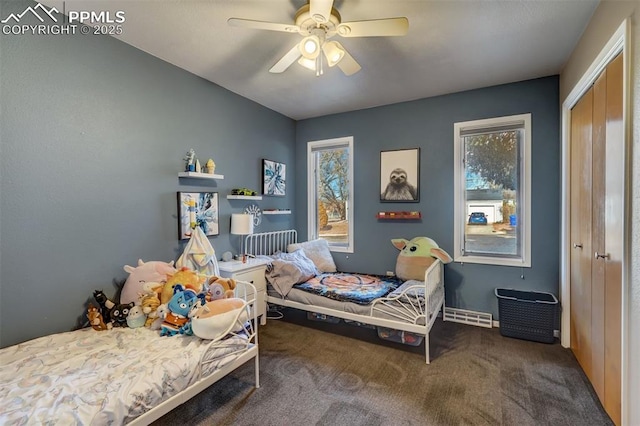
400 176
273 178
197 209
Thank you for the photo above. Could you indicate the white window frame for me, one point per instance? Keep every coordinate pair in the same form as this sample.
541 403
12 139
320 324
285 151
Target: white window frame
524 193
312 229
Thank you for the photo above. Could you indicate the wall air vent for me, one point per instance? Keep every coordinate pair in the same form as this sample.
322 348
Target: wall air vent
480 319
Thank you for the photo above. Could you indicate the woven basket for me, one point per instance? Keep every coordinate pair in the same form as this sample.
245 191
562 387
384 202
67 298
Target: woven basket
528 315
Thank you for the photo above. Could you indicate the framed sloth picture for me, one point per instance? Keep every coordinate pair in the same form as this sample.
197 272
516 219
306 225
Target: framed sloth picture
400 176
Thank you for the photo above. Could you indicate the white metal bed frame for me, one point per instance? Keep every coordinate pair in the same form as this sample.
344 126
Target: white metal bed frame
409 315
243 290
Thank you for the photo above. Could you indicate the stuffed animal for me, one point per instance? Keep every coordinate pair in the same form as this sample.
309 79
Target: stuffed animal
140 277
178 310
119 314
105 304
219 317
186 278
416 256
186 328
149 304
95 318
219 288
136 317
161 314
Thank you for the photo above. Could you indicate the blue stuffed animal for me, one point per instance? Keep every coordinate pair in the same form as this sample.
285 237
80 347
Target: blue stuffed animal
178 307
200 302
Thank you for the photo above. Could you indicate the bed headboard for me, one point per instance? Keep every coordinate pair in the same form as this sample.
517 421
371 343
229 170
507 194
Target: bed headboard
267 243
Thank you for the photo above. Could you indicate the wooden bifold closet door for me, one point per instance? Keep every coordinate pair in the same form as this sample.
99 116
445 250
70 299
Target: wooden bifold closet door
596 180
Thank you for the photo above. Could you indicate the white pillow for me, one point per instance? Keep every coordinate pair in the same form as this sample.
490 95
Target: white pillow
318 252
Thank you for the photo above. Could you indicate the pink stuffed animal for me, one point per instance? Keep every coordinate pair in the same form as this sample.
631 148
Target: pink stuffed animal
145 272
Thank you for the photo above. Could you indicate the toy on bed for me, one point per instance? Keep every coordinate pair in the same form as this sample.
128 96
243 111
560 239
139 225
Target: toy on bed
161 314
114 313
149 304
186 328
178 310
219 288
185 277
217 318
416 256
141 277
95 318
136 317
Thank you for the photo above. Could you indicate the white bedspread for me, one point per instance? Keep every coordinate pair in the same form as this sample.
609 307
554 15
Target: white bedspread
101 377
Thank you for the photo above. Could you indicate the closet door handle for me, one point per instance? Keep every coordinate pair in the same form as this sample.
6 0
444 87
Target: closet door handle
602 256
577 245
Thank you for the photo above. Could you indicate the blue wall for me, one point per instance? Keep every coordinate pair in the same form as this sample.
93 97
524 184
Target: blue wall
428 124
93 136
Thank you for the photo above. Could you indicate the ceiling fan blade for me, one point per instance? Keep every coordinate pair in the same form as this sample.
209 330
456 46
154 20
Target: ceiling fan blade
375 28
285 62
320 10
347 64
261 25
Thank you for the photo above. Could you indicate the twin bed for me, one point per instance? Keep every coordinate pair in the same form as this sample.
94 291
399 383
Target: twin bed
135 376
119 376
411 306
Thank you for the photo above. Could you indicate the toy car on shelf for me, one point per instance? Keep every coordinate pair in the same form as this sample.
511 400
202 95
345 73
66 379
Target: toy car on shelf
243 191
477 218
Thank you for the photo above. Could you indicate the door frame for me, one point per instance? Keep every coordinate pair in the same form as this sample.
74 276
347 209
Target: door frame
619 42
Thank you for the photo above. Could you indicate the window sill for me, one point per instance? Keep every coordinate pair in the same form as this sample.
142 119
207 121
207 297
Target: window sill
497 261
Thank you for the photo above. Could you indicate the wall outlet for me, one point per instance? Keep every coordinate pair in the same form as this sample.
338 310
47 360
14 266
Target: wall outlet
390 273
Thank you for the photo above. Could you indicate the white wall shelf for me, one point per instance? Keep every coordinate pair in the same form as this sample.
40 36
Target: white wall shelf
276 211
244 197
196 175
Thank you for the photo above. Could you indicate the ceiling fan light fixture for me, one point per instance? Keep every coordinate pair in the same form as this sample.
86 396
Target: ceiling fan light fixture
307 63
344 29
310 47
332 52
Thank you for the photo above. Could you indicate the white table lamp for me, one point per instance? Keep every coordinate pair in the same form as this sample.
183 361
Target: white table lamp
241 224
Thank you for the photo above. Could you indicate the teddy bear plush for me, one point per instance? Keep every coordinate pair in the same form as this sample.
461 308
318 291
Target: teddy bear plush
416 256
184 277
217 318
219 288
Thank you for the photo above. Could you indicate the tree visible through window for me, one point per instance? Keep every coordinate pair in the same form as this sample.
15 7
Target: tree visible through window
331 192
492 200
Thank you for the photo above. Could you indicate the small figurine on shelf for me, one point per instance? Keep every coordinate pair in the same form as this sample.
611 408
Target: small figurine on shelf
198 167
211 166
190 161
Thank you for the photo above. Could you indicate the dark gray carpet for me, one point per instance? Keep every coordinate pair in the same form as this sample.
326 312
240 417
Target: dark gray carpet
312 376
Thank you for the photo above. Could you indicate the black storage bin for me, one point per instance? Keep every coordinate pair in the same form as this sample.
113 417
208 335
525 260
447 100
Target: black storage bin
528 315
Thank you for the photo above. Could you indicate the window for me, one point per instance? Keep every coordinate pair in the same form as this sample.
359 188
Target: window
330 192
492 191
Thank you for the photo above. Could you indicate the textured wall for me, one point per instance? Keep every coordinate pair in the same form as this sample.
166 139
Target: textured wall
93 135
428 124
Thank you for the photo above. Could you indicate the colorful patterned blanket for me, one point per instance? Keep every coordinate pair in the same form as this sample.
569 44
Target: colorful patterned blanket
345 287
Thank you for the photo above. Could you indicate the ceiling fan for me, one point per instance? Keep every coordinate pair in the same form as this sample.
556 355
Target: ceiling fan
317 22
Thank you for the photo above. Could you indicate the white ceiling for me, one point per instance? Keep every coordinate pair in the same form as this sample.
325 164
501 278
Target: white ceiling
451 46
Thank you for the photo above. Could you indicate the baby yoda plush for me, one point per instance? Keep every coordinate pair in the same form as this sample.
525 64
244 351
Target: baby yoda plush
416 256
